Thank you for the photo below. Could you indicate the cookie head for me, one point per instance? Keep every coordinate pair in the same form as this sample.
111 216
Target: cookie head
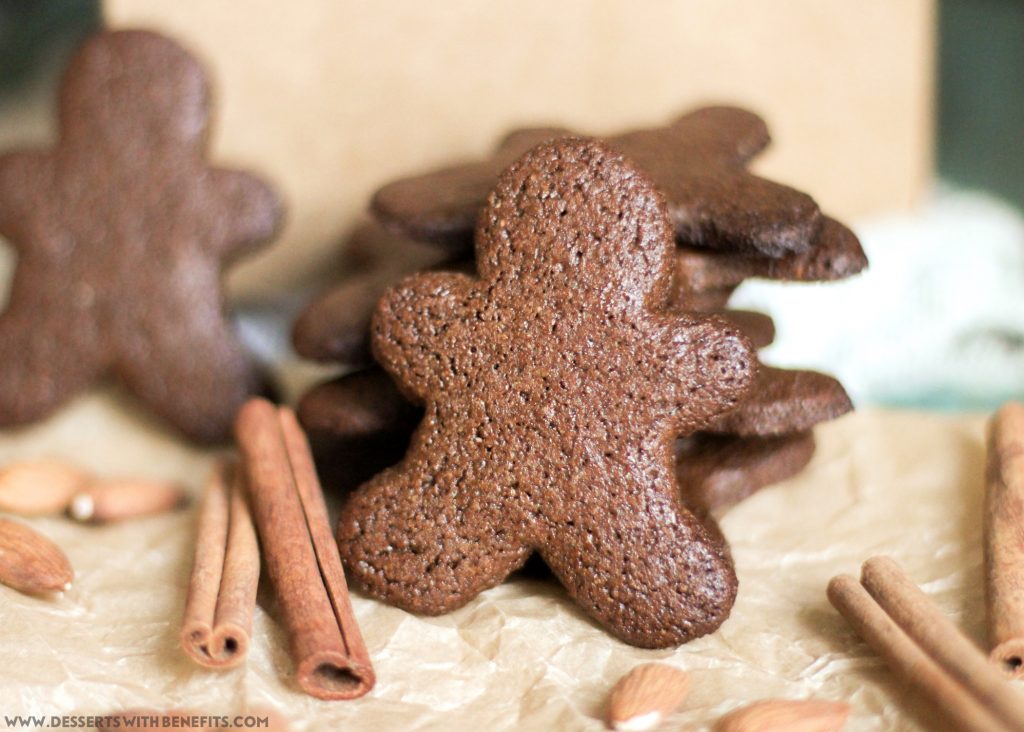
141 85
577 213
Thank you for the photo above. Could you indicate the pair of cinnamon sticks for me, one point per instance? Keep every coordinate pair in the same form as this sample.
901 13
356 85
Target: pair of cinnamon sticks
896 618
899 621
277 480
926 649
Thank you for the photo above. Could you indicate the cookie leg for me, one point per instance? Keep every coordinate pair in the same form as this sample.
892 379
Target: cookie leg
654 576
191 371
42 365
423 544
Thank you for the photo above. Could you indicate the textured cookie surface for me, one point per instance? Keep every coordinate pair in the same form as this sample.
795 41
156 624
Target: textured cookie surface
553 386
121 232
698 162
366 403
360 423
442 206
335 327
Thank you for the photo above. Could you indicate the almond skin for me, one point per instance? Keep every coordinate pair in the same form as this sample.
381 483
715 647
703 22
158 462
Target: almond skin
31 563
646 695
103 501
776 715
38 488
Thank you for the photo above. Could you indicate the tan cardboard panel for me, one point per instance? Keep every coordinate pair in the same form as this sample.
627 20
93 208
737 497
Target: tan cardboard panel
334 97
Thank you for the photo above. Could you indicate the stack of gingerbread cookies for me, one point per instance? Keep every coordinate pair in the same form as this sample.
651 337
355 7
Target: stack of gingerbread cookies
729 225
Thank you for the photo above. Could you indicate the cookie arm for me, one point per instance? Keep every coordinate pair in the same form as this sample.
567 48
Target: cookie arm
729 133
413 330
24 183
739 212
251 212
711 366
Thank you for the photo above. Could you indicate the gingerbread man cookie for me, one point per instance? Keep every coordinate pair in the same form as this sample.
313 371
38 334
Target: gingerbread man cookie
122 231
699 162
554 385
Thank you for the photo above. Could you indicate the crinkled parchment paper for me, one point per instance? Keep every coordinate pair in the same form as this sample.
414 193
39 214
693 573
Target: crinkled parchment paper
520 656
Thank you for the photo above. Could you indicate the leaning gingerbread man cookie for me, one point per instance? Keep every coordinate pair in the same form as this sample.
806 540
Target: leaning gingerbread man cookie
554 386
121 232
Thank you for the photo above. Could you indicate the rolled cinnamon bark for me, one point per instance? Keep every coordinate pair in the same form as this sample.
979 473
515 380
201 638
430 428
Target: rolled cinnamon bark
936 634
301 555
1004 538
907 660
225 575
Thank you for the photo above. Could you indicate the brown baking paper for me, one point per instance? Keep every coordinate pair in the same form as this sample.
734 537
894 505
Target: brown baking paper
520 656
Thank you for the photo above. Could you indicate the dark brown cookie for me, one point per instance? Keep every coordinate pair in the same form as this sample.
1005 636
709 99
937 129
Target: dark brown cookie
783 401
553 387
336 326
357 425
698 162
371 247
835 255
442 206
122 232
366 404
716 472
358 405
704 301
360 424
758 327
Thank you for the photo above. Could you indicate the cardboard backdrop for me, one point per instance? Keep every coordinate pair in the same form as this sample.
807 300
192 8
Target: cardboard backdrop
334 97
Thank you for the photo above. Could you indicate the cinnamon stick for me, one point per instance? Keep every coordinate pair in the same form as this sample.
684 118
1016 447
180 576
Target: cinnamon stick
1004 539
941 639
300 553
911 664
222 592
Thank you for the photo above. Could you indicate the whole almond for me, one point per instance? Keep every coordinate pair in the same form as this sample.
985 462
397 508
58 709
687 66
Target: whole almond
31 563
115 500
775 715
642 698
38 488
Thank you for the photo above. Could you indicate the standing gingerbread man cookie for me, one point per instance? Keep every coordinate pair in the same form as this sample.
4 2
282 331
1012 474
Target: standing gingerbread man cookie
554 386
121 233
